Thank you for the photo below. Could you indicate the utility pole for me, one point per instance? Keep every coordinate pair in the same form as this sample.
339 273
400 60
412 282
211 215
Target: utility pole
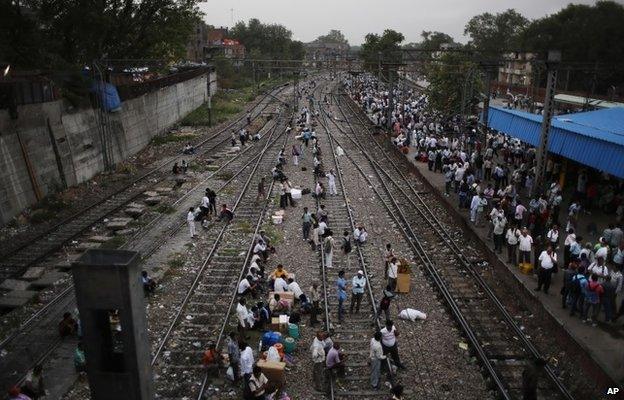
390 99
552 64
489 76
379 69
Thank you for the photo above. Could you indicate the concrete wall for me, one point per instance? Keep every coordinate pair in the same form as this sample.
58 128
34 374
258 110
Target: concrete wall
65 148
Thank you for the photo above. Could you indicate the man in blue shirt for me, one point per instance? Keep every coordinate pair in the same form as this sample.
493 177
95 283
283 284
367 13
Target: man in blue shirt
341 284
358 283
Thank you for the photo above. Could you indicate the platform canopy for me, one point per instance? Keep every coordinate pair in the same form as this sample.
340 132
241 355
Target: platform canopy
593 138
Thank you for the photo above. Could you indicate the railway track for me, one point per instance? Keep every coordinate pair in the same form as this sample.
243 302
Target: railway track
355 331
207 305
503 349
15 260
36 339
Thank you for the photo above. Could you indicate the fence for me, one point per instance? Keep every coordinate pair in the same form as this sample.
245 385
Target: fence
131 91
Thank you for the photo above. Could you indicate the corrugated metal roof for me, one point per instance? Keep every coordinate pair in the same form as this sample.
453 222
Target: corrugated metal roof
595 140
581 101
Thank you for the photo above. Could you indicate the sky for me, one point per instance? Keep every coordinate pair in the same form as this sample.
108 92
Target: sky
355 18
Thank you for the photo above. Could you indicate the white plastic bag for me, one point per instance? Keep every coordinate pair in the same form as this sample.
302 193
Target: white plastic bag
273 354
295 193
230 374
410 314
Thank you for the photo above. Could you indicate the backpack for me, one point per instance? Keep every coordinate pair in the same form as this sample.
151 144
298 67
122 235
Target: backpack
327 246
575 287
346 245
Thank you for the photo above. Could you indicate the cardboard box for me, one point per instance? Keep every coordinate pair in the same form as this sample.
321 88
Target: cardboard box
403 283
279 324
274 371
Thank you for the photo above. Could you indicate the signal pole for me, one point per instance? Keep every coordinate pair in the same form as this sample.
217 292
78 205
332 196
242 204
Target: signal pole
552 64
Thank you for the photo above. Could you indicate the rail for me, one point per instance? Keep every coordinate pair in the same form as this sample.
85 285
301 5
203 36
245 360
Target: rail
447 238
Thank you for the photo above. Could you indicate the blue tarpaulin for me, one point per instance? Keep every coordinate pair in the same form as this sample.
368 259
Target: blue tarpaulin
594 138
108 96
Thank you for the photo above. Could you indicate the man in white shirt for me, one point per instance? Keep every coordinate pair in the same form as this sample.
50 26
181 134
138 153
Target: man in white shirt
525 242
318 358
360 234
246 361
241 316
553 236
389 343
190 220
599 268
280 285
512 235
393 273
296 290
376 357
358 283
246 286
331 182
603 251
548 261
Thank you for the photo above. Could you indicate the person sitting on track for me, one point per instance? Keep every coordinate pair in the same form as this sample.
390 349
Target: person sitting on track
247 286
279 306
149 285
225 214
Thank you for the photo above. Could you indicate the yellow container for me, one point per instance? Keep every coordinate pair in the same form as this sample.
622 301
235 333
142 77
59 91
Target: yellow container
526 268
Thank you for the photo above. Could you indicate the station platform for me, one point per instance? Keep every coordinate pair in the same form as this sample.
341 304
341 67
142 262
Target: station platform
603 342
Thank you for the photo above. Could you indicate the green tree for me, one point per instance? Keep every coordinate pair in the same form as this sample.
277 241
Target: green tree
386 48
589 35
270 41
70 33
453 79
334 36
495 34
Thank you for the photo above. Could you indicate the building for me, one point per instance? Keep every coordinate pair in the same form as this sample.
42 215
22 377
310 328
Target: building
517 70
208 42
318 51
197 42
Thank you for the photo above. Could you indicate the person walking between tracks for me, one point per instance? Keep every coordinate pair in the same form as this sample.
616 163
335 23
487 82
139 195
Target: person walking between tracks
306 223
358 283
335 362
384 304
190 220
548 265
389 343
261 190
376 358
212 197
341 285
393 274
331 182
328 248
234 355
315 298
318 358
295 154
242 315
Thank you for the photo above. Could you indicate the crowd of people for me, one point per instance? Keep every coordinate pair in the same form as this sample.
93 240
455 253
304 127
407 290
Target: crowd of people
492 178
286 297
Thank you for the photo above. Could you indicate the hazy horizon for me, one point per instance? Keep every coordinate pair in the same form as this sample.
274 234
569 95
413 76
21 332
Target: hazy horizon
355 19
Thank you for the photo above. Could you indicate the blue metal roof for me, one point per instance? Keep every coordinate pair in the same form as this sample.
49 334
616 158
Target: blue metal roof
594 138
